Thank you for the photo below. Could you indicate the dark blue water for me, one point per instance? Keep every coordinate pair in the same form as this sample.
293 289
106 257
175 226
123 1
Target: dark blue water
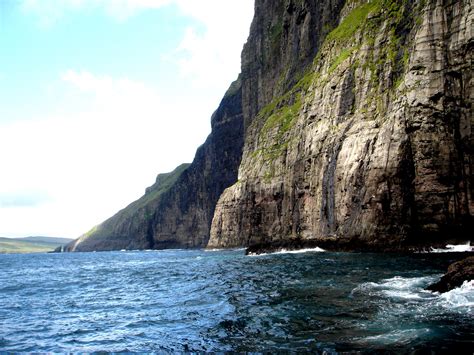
225 301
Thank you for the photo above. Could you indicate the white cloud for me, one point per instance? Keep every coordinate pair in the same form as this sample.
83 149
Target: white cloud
211 56
19 199
92 163
110 92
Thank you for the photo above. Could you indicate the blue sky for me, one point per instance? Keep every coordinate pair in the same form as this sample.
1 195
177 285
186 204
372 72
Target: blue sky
98 96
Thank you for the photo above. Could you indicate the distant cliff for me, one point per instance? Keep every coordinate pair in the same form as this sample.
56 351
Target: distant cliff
350 123
176 212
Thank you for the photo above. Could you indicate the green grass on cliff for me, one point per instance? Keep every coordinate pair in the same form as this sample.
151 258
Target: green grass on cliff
353 21
372 18
345 54
163 183
283 117
234 87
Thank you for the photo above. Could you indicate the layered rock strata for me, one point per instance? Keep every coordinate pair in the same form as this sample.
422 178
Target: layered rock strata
373 146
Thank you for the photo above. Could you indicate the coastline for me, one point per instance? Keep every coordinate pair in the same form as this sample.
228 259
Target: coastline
353 245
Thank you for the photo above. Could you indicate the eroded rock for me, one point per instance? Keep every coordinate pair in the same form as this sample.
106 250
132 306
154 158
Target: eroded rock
458 272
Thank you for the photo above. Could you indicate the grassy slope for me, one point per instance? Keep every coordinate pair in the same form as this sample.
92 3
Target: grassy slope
163 183
27 245
50 240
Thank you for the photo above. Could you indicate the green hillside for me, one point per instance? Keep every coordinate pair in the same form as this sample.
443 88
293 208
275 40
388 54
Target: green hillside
30 244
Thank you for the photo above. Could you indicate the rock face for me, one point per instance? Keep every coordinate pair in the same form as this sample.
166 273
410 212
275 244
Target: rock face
276 54
176 212
350 126
373 145
457 273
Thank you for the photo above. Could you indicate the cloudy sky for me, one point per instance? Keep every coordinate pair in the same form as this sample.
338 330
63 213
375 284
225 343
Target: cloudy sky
98 96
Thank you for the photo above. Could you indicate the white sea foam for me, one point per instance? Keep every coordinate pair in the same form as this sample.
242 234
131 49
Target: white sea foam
223 249
401 298
453 248
298 251
399 287
460 297
407 295
404 283
399 336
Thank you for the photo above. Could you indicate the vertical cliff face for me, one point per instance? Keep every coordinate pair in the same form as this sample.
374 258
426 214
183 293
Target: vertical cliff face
372 146
284 37
184 217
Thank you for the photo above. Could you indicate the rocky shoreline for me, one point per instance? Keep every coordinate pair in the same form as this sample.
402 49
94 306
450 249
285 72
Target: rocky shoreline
343 245
457 274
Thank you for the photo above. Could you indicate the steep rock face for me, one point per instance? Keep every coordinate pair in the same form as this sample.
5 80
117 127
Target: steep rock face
284 37
177 211
183 219
373 145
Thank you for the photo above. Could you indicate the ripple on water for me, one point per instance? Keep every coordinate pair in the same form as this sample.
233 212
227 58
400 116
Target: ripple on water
224 301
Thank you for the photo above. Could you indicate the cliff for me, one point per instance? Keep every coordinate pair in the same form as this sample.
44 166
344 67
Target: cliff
181 217
176 212
349 126
372 148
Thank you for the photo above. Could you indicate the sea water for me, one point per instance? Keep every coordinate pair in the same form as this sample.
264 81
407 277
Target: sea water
194 300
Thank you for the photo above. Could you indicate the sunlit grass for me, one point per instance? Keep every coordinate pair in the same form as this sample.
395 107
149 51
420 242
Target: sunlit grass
10 246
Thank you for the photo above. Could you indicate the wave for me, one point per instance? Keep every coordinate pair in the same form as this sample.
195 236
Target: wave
453 248
403 301
403 288
462 296
285 251
223 249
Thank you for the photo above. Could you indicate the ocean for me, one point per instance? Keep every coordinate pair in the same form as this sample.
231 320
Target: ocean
208 301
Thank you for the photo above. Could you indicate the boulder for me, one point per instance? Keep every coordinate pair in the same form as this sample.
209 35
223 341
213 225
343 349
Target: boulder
458 272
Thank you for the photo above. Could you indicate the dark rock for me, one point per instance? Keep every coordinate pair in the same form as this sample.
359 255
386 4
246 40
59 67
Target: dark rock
374 147
458 272
332 244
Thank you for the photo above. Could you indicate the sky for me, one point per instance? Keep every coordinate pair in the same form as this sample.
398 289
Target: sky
99 96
